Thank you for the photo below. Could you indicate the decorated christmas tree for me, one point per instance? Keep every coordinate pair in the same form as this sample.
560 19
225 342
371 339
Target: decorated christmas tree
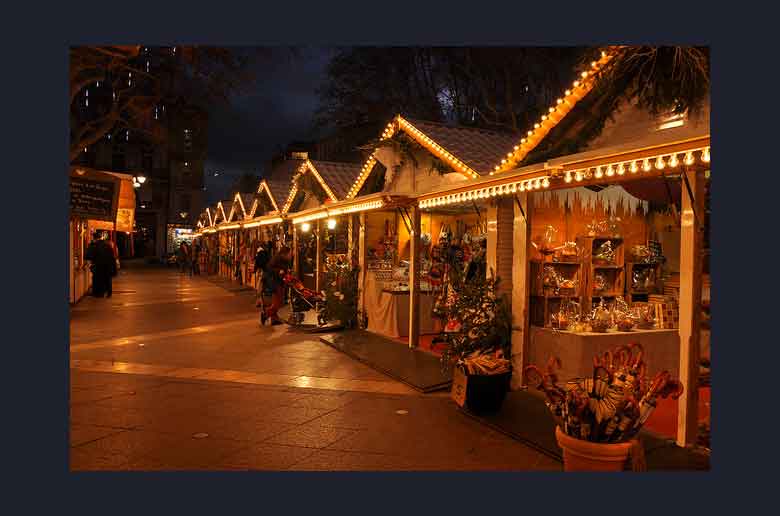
478 322
341 293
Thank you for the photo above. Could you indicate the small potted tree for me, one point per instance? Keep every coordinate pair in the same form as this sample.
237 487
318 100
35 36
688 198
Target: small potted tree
478 336
341 292
599 417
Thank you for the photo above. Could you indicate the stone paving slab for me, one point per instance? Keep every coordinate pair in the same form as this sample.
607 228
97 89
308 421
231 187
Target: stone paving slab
159 385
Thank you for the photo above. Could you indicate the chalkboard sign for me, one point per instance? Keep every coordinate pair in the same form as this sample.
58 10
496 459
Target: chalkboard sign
93 199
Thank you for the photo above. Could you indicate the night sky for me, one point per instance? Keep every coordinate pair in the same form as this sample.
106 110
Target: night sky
277 109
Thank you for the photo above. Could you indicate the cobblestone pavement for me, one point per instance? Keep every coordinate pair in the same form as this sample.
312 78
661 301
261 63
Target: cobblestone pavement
175 373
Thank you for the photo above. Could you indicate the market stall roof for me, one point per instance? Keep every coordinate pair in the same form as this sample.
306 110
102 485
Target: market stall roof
337 175
626 161
222 211
469 150
560 130
364 203
272 188
332 176
240 208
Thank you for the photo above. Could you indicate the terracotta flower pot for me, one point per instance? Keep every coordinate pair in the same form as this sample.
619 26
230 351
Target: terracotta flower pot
579 455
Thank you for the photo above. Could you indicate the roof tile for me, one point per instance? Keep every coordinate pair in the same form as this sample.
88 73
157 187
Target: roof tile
338 176
480 149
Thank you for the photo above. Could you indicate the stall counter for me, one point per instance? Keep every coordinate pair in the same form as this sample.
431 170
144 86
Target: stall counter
388 312
576 350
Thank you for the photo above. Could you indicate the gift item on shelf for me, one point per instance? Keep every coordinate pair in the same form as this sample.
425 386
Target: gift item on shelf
644 315
667 313
641 254
605 254
642 278
570 252
549 277
600 283
610 227
601 319
545 242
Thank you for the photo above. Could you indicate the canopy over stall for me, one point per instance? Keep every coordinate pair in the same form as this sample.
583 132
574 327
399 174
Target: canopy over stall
634 147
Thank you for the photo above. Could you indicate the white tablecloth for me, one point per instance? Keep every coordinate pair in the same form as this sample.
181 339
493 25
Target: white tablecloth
388 313
576 350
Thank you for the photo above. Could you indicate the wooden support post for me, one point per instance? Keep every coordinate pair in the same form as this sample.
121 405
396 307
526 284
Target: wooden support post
350 237
295 251
691 235
521 282
491 255
414 279
318 258
362 264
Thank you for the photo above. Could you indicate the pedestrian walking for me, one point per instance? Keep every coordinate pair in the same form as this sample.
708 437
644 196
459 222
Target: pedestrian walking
262 257
103 265
273 282
196 258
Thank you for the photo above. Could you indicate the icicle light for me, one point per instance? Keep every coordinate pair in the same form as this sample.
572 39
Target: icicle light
613 197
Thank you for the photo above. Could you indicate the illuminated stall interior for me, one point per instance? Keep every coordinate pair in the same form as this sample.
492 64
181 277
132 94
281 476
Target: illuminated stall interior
319 240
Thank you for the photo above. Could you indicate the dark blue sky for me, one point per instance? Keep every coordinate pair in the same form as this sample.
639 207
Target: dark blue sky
277 109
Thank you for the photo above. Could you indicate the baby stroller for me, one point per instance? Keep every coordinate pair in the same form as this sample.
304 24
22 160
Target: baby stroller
303 300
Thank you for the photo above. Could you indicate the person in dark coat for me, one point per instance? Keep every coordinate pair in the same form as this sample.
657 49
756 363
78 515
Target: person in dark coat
103 263
273 282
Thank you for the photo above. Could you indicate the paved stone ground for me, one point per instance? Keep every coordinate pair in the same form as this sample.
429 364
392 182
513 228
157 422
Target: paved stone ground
175 373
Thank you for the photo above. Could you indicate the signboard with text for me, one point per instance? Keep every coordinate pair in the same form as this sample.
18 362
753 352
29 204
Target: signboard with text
94 198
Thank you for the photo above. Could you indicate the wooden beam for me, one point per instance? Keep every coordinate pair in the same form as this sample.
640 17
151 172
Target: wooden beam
295 251
318 259
414 279
491 256
521 281
691 236
362 264
350 237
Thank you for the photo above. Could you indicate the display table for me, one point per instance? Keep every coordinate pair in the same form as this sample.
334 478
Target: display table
388 311
576 350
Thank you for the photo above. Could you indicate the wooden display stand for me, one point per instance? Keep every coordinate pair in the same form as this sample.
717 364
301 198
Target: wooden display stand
544 300
641 294
613 272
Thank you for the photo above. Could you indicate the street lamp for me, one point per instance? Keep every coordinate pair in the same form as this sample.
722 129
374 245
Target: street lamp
141 179
183 214
331 223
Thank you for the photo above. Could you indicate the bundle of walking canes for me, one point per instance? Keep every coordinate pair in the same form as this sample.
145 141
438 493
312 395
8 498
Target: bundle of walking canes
612 405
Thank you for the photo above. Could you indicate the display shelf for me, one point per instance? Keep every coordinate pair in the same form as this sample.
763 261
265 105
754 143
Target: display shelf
657 285
614 273
545 300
